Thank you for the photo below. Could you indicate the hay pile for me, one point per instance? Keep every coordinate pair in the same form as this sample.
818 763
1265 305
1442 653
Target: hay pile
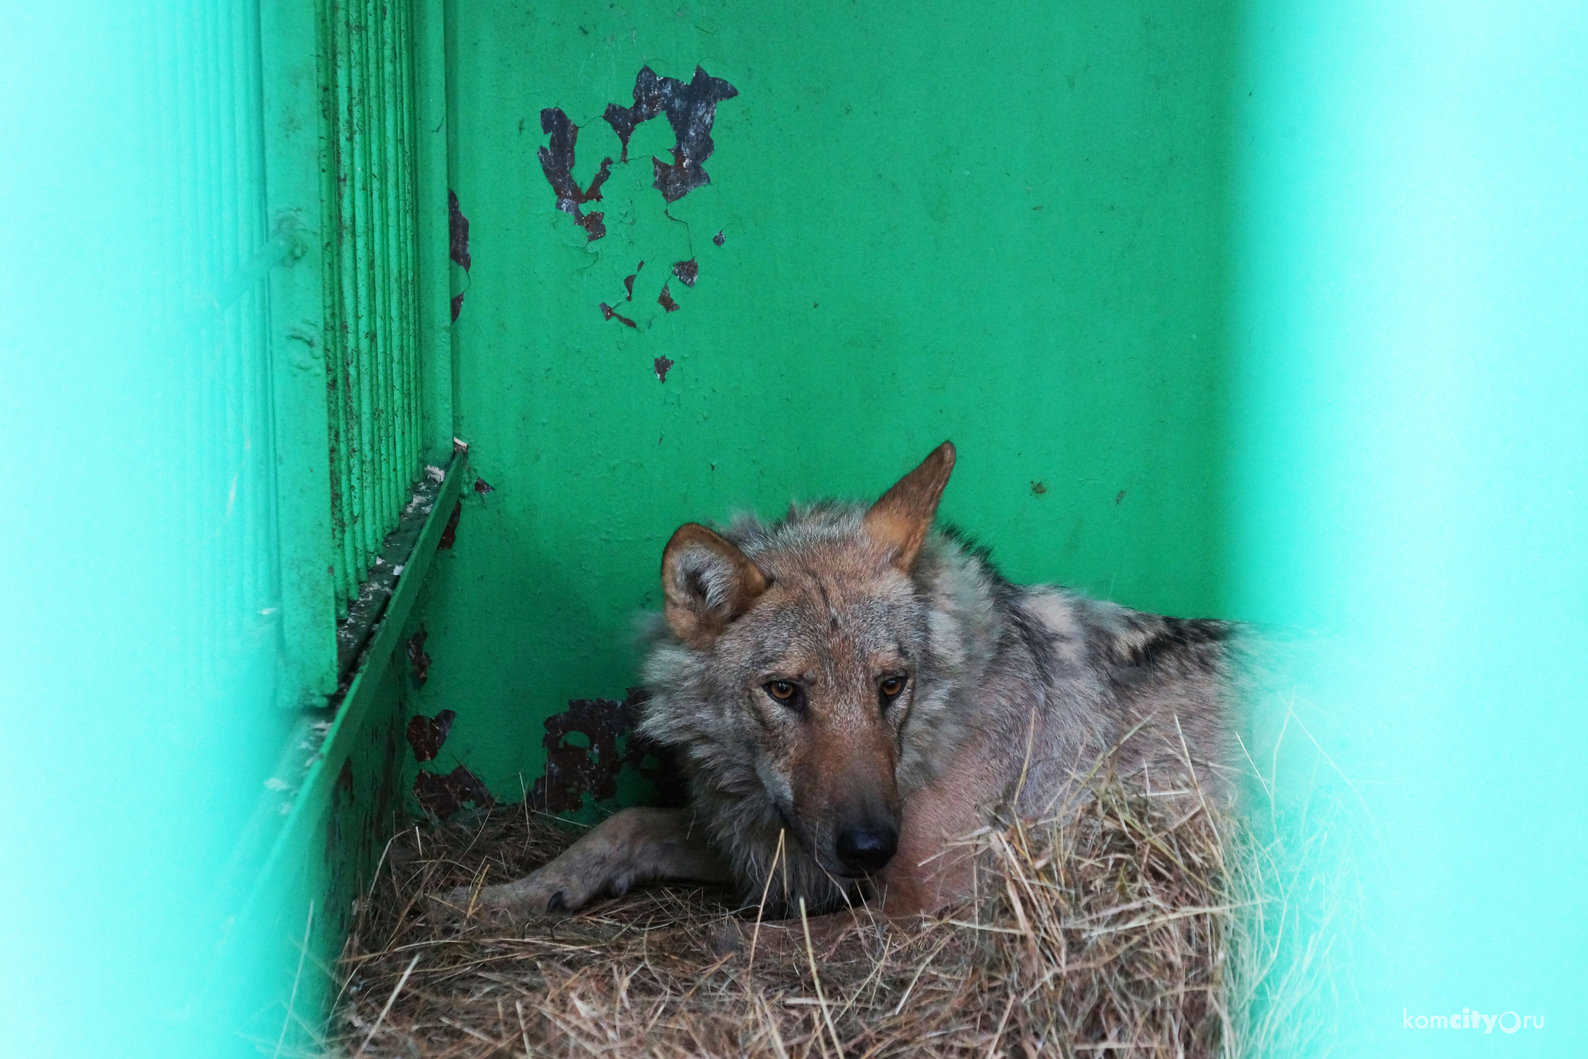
1106 932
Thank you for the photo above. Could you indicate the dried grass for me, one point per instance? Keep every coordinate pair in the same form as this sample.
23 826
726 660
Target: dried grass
1111 930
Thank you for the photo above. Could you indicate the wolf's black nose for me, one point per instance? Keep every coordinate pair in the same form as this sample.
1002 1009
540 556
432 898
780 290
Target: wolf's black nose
868 848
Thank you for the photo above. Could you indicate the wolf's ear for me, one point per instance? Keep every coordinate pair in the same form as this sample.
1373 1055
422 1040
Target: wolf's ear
708 582
901 518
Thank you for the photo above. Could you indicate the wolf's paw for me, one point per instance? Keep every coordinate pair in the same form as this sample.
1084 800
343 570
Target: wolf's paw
551 890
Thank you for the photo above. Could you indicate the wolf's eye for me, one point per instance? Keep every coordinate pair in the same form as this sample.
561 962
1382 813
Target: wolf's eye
786 692
890 688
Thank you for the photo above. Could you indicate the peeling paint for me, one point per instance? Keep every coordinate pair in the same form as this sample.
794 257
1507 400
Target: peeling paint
458 228
418 661
665 300
687 271
441 796
662 364
690 108
449 536
557 160
574 770
482 487
609 313
719 238
427 734
457 306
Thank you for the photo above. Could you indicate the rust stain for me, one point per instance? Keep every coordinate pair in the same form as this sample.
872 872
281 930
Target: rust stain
557 161
609 313
417 659
441 796
572 770
426 734
691 109
449 536
458 229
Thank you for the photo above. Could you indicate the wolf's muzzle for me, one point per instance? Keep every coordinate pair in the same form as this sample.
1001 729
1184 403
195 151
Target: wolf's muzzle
864 849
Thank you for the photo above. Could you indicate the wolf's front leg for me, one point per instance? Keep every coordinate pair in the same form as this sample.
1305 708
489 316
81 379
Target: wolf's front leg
631 846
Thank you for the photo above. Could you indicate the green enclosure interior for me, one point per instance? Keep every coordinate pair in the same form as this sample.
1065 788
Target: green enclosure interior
1008 231
1267 311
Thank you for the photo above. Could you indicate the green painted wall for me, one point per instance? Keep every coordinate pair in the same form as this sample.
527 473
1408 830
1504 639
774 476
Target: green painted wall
1003 225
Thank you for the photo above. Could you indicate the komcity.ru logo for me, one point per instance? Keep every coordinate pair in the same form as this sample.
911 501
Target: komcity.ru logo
1472 1019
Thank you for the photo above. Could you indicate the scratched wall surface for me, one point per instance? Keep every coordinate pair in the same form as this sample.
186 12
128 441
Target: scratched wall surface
1005 227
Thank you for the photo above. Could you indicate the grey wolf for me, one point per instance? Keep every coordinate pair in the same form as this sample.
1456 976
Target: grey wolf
850 690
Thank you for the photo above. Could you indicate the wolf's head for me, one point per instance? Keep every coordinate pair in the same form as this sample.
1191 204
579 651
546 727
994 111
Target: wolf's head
792 656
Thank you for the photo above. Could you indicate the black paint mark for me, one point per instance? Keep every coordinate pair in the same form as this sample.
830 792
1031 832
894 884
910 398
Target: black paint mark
609 313
686 271
1118 497
662 364
457 306
691 108
482 487
418 659
665 300
573 770
458 225
719 239
426 734
556 161
1037 488
441 796
449 536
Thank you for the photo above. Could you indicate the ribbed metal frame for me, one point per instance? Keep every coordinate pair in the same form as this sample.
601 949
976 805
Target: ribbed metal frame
373 390
208 92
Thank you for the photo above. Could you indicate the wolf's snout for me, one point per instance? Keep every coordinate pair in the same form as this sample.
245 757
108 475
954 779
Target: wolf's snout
868 848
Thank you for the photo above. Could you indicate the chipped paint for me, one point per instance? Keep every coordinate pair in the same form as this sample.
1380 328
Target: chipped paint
441 796
574 770
449 536
418 661
665 300
609 313
427 734
458 231
557 161
687 271
691 109
661 364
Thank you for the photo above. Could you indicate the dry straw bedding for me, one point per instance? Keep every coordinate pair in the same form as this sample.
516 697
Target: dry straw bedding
1111 930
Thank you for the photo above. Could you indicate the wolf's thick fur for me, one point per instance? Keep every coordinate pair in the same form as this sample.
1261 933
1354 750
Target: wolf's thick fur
850 691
